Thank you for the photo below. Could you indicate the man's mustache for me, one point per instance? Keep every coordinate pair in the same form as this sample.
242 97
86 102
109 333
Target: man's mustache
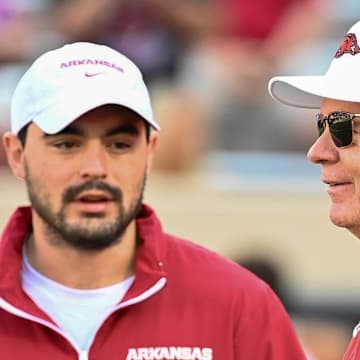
74 191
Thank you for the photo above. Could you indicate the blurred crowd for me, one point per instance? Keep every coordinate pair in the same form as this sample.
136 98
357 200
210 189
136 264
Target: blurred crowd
207 62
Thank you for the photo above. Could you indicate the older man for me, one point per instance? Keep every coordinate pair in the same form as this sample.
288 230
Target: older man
337 149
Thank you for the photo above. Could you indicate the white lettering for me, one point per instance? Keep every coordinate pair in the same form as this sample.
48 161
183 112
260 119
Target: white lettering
170 353
196 353
207 353
186 353
132 355
143 354
154 353
175 353
163 353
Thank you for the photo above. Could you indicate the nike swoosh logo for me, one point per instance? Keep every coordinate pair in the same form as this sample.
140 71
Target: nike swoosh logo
92 74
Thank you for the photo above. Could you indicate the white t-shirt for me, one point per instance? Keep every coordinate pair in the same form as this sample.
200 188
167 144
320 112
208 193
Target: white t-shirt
79 313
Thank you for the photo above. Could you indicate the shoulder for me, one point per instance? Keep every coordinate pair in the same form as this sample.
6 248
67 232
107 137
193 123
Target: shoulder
209 270
354 344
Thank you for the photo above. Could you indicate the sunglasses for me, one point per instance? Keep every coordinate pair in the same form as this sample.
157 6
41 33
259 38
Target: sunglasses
340 126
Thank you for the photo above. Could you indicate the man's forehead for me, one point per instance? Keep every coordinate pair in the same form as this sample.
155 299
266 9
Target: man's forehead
101 129
330 105
105 119
118 111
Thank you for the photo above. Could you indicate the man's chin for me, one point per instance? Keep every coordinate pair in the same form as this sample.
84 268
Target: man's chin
92 236
341 218
74 216
91 224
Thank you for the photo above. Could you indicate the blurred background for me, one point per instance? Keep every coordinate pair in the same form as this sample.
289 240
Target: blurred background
231 170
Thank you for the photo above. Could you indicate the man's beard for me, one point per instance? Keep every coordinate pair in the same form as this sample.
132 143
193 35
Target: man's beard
84 237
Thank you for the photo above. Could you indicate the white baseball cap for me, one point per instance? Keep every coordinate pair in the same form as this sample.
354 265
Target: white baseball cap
64 83
340 81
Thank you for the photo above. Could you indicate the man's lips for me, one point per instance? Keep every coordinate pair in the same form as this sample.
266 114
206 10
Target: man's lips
93 201
93 196
333 183
337 187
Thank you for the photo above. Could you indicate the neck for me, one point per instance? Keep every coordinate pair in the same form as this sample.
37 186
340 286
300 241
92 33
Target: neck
83 269
355 230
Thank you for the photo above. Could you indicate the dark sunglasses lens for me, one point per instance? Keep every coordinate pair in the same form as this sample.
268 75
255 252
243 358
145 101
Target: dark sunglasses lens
341 131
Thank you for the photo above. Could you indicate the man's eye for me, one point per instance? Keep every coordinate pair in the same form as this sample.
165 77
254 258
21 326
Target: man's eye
119 145
65 145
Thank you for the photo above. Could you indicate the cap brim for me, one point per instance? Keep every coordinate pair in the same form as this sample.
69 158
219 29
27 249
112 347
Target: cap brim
298 91
309 91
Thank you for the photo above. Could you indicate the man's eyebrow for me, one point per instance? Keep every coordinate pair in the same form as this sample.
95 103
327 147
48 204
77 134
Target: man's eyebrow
128 128
69 130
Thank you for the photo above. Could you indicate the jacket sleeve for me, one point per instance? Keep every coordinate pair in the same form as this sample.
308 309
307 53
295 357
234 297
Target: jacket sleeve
352 351
264 330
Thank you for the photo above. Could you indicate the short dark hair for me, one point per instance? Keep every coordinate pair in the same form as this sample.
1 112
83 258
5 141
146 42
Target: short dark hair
23 133
147 130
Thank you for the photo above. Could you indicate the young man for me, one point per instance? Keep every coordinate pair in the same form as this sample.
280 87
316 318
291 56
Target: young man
86 272
337 149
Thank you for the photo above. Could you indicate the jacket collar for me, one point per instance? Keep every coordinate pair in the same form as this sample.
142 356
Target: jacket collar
149 265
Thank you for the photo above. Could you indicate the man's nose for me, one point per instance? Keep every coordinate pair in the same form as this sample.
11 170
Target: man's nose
323 149
94 162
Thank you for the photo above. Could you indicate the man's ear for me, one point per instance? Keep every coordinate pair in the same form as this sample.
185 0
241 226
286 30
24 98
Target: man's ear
151 150
15 154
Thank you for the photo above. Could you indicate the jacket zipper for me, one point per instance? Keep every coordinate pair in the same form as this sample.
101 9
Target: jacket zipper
145 295
22 314
82 354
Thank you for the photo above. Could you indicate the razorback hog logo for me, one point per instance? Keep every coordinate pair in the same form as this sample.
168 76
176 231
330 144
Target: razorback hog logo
348 46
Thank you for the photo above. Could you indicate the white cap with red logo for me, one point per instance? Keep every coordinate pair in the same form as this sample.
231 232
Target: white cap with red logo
65 83
340 81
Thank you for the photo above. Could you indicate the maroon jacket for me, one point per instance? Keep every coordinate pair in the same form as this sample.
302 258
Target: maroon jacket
353 351
187 303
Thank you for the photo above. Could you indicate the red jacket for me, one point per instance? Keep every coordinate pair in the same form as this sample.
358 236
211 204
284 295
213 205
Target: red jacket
187 303
353 351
